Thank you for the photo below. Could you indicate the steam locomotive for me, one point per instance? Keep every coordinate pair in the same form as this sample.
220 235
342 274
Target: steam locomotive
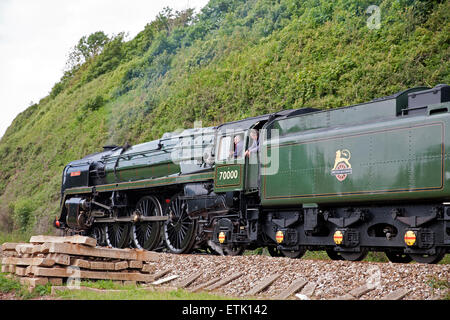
367 177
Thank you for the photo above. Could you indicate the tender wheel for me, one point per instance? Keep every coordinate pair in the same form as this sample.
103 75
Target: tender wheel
398 257
430 259
334 255
147 235
179 229
117 235
355 256
294 254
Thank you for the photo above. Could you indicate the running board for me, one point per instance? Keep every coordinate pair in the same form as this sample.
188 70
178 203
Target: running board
132 219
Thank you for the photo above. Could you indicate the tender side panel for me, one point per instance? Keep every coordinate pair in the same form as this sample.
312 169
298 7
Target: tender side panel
396 160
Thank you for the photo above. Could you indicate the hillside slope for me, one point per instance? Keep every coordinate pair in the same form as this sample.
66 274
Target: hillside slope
235 59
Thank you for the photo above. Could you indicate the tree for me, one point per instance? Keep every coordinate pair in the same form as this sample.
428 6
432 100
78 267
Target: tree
87 48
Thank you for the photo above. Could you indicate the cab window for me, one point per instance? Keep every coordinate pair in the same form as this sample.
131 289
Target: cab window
224 148
231 147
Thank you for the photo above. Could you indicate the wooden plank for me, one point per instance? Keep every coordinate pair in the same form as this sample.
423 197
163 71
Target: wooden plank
147 268
302 296
12 268
28 248
29 270
224 281
33 282
17 261
161 274
102 265
10 246
308 290
121 265
186 282
135 264
25 248
63 259
85 274
262 285
55 281
204 285
361 290
346 296
292 289
9 253
21 271
81 263
43 262
396 295
164 280
88 241
80 250
144 255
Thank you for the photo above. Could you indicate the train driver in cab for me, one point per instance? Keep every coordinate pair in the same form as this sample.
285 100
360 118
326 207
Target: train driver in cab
238 146
255 144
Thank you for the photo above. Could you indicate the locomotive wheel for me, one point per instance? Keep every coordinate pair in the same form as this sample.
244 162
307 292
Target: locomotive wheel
98 232
147 235
334 255
398 257
429 258
294 254
355 256
179 230
117 235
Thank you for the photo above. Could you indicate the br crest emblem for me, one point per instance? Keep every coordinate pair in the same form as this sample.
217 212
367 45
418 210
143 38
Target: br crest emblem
342 166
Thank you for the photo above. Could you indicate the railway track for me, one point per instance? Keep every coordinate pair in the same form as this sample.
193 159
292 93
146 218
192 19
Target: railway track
259 276
285 278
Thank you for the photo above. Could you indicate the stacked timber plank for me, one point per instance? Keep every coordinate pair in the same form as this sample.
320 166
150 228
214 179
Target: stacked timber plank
57 259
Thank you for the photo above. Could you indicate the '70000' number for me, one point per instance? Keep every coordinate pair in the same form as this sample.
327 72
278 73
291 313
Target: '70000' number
227 175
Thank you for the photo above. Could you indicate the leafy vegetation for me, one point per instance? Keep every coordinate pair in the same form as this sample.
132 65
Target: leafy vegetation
132 292
234 59
11 285
121 292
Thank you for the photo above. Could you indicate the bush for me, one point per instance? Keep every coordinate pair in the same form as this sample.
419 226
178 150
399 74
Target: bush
94 104
22 213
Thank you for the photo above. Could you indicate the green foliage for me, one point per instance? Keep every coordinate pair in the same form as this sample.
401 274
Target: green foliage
234 59
23 213
91 105
94 104
110 58
87 48
11 285
134 293
8 285
437 283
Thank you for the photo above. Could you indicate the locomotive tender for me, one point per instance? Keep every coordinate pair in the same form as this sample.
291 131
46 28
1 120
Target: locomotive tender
368 177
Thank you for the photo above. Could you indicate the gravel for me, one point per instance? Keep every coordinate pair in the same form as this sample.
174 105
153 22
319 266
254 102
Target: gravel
332 278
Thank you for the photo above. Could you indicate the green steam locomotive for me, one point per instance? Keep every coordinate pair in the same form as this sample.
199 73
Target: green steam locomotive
368 177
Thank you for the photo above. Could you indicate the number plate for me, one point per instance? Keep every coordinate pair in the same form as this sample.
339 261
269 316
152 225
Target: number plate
228 176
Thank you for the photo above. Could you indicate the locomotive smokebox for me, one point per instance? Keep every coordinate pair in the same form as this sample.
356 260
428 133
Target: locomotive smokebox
76 211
